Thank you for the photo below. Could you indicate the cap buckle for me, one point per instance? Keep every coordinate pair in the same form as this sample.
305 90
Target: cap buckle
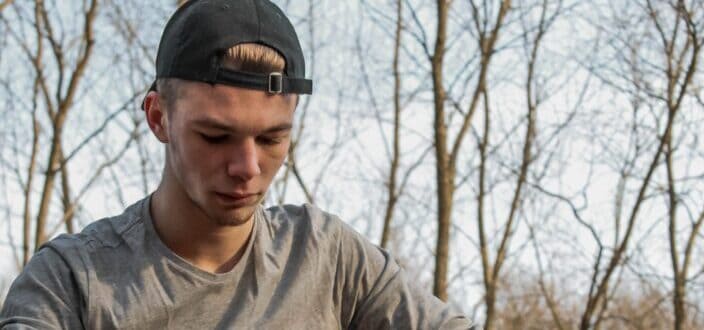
275 83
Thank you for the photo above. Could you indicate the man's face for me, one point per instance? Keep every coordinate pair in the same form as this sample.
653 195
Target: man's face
225 144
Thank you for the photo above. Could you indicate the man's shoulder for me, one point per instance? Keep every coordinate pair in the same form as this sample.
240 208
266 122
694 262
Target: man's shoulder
305 217
108 232
308 223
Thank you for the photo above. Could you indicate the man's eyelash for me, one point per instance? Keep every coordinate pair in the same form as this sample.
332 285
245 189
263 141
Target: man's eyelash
214 138
269 141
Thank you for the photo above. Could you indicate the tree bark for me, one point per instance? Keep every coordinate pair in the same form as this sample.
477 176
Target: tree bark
444 173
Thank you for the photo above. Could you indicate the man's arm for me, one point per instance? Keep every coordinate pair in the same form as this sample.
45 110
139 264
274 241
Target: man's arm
44 296
380 296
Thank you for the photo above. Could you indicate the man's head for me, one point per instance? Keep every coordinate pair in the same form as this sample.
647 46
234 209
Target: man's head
228 75
247 57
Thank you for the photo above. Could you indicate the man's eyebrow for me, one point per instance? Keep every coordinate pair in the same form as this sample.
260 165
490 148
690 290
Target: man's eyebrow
279 128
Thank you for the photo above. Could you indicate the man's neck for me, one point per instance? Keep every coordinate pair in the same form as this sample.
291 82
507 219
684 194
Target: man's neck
189 233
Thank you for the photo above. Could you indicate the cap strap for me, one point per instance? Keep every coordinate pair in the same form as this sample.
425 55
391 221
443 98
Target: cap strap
273 83
298 85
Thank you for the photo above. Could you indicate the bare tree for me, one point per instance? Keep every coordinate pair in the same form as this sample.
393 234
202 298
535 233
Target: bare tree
60 104
447 152
680 66
491 270
393 169
58 65
675 70
36 61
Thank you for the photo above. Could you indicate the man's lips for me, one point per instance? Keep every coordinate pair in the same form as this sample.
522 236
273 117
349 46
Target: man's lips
237 198
236 195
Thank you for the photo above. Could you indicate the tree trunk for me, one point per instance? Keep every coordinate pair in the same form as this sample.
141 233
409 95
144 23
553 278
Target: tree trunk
444 173
393 171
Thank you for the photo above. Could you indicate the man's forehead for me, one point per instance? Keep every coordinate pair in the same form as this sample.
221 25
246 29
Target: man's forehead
272 125
226 94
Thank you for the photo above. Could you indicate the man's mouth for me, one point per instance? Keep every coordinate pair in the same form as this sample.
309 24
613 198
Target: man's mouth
237 199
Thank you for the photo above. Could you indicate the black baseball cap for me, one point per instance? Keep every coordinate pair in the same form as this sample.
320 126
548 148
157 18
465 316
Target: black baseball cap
201 31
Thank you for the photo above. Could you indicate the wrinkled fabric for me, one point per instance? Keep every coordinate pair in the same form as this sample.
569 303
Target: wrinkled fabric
302 269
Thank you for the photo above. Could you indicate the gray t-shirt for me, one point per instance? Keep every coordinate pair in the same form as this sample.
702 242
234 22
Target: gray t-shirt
302 269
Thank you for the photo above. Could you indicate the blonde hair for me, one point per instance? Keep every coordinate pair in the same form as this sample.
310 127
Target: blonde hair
253 58
248 57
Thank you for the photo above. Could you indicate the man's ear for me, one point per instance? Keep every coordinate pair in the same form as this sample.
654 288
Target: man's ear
156 116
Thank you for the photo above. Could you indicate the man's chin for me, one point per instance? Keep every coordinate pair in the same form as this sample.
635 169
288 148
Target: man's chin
225 212
235 217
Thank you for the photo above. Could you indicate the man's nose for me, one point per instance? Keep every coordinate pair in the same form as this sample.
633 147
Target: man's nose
244 161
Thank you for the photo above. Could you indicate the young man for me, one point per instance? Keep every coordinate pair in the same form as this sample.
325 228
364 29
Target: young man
201 252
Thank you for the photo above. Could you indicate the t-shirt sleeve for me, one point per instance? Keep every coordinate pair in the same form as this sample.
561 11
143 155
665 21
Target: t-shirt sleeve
379 295
44 296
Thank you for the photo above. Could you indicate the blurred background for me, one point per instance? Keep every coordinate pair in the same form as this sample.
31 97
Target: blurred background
536 163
